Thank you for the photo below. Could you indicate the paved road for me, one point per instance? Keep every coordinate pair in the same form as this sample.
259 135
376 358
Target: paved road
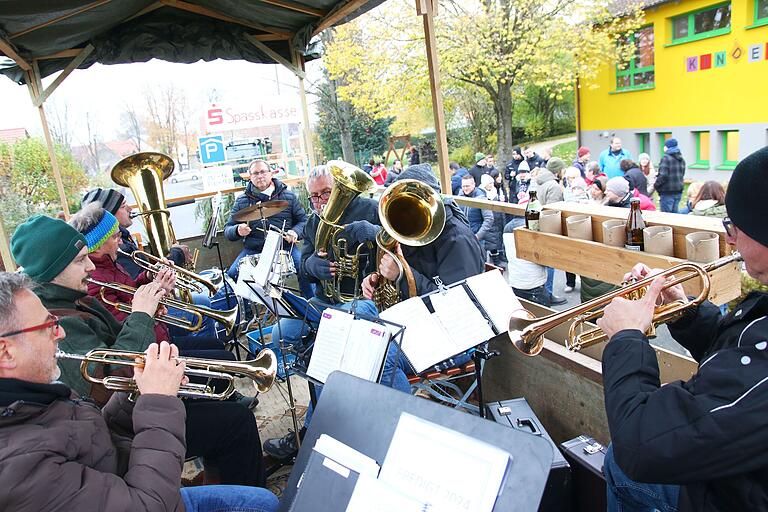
538 146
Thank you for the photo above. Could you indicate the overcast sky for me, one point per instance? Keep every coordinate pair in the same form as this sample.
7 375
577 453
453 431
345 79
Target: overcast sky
103 91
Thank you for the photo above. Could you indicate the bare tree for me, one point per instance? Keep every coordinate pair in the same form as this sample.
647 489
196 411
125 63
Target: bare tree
162 107
93 145
131 126
58 120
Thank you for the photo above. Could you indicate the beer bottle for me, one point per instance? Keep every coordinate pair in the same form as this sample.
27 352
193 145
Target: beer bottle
635 226
532 211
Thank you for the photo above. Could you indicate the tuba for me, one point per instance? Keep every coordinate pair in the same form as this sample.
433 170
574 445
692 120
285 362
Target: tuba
349 182
413 214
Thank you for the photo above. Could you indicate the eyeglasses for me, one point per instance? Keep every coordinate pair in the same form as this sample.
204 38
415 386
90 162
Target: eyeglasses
52 324
324 195
260 173
730 229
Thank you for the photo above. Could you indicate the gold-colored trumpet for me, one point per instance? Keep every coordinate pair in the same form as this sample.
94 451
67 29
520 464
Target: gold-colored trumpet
185 279
261 371
527 332
226 317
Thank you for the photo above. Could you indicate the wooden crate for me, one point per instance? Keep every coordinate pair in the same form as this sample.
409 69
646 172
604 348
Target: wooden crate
610 264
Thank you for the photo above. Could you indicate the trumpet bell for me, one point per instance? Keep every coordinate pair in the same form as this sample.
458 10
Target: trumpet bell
518 331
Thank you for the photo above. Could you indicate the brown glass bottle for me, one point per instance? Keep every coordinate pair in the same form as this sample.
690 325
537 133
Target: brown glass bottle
635 226
532 211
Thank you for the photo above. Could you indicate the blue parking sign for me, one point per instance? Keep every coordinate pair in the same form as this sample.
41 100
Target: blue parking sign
212 149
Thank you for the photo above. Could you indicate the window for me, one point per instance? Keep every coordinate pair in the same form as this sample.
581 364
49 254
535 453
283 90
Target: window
663 136
708 22
702 150
643 143
761 13
730 141
639 72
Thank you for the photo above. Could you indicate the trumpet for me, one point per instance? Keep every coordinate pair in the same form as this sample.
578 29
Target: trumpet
261 371
226 317
185 279
527 332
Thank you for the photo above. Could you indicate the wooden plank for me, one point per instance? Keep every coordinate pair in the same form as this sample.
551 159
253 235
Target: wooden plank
70 14
681 224
298 61
291 6
610 264
277 57
73 65
5 250
496 206
9 52
271 37
337 15
63 54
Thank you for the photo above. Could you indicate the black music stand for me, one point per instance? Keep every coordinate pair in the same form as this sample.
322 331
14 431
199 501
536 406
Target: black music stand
363 415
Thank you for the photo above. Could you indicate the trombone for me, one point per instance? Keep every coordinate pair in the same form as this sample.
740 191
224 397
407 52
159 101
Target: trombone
261 371
527 332
226 317
185 279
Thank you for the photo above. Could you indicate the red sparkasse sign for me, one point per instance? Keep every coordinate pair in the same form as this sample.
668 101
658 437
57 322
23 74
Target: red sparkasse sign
268 111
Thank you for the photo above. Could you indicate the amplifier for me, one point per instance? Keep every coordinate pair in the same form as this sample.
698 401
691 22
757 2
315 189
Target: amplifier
586 457
517 414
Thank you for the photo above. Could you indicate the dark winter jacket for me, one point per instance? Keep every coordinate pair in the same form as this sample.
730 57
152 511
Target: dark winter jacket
637 180
510 173
89 325
480 220
128 244
476 171
580 166
493 241
536 161
294 216
456 181
708 434
360 208
59 453
453 256
671 173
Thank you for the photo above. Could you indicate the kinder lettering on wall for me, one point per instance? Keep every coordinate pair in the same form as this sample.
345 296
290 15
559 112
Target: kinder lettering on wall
692 64
754 53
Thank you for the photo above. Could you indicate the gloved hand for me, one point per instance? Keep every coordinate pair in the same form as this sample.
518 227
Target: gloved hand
319 267
360 231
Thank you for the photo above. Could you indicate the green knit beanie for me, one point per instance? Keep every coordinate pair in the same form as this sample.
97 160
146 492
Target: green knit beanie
45 246
479 156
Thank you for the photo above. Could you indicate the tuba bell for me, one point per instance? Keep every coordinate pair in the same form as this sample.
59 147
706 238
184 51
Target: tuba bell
413 214
349 182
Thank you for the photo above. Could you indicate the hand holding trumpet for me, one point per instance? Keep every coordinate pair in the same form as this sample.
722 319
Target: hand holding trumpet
162 372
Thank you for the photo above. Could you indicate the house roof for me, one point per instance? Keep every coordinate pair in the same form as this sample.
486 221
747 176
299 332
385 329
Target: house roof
619 7
11 135
53 34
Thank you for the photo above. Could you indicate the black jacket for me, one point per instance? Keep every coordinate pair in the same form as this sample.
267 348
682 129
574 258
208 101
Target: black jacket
476 171
637 180
536 161
709 434
453 256
360 208
294 216
510 172
671 174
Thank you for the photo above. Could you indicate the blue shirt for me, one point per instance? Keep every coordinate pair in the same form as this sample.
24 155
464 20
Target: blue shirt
609 162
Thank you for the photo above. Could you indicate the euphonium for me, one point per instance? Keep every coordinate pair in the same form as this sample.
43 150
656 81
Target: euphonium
413 214
349 182
261 371
527 332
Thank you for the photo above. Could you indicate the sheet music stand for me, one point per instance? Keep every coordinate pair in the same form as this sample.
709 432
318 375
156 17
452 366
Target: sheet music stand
366 421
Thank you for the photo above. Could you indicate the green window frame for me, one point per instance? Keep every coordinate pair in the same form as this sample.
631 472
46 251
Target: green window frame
643 143
761 14
636 77
729 164
703 140
688 20
663 136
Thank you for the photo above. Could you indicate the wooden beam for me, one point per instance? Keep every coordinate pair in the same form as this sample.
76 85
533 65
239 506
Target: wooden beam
73 65
291 6
337 15
494 206
5 250
149 8
433 63
277 57
271 37
204 11
9 52
63 54
83 9
299 63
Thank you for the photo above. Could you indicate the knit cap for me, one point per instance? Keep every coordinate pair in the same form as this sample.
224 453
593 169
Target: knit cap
583 150
110 199
421 172
555 165
746 199
100 232
45 246
479 156
618 186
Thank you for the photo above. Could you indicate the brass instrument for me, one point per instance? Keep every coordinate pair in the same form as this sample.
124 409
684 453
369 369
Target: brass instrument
413 214
527 332
349 182
185 279
227 317
261 371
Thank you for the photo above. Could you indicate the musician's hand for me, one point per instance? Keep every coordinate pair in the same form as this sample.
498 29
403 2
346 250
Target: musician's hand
243 230
147 298
166 278
290 236
320 268
623 314
162 373
388 268
671 294
369 285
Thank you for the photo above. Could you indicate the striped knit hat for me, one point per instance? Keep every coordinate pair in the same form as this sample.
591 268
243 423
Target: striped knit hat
100 232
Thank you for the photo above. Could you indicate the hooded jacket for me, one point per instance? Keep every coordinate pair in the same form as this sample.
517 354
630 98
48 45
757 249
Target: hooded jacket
60 453
548 189
671 173
709 433
709 208
637 180
480 220
294 215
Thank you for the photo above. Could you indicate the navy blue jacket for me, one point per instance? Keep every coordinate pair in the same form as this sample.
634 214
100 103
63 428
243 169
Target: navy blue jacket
671 173
480 221
294 216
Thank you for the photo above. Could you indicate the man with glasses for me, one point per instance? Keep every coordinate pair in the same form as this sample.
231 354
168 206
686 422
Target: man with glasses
702 443
263 187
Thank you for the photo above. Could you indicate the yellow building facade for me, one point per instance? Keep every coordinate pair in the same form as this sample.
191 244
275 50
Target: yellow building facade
700 75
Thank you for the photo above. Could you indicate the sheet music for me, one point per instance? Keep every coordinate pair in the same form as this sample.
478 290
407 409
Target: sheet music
242 289
371 495
365 350
496 296
330 342
424 339
469 475
272 244
461 318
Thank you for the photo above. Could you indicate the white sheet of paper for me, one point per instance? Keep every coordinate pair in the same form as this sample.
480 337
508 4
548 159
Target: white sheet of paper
424 340
496 297
468 477
461 319
371 495
330 342
366 346
346 456
268 255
